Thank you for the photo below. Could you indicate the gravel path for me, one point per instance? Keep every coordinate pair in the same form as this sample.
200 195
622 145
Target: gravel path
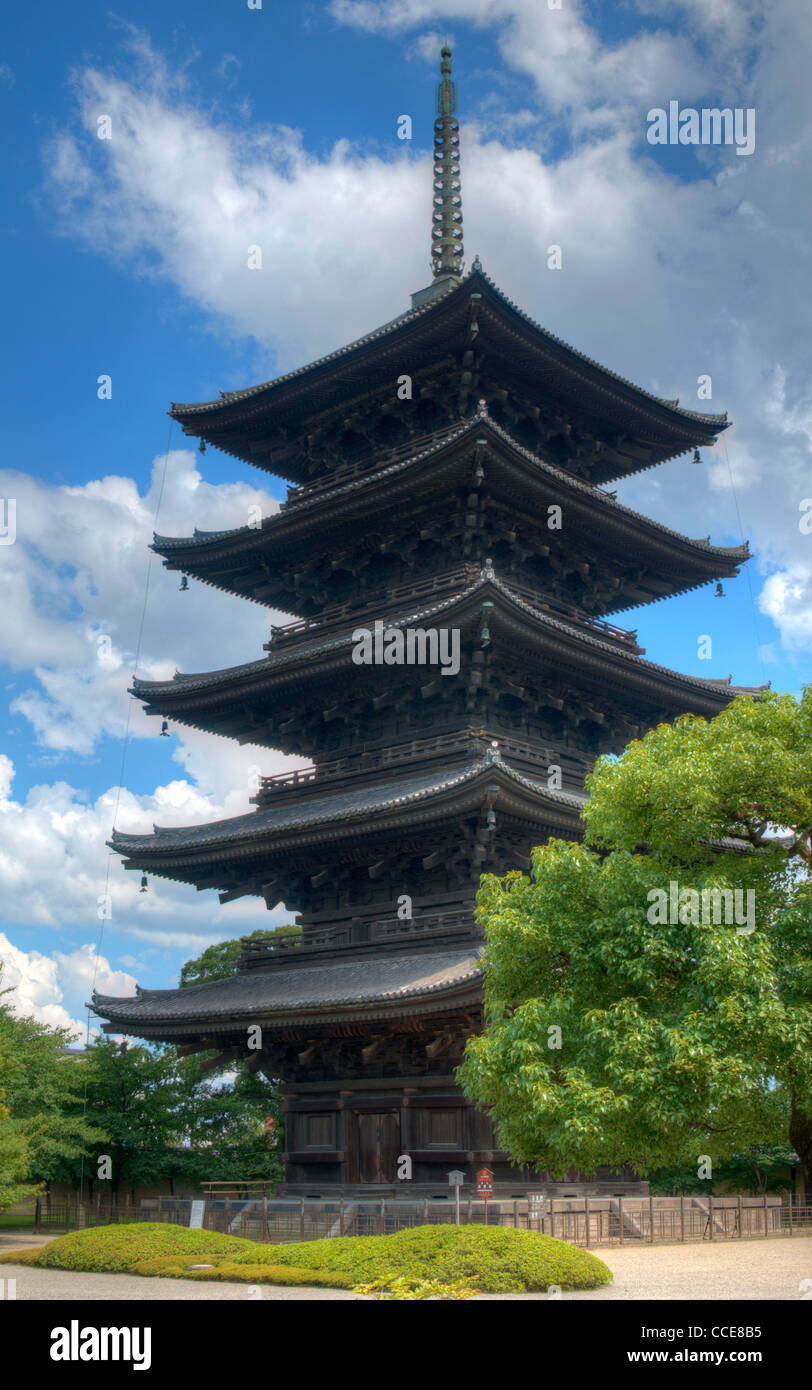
750 1269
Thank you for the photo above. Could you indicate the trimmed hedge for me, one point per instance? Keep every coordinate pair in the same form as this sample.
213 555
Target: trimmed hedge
498 1259
115 1249
245 1273
495 1259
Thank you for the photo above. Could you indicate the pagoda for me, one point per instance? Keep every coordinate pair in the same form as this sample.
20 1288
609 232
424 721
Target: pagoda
449 554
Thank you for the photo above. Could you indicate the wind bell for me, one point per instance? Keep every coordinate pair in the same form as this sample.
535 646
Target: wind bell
164 729
144 884
696 458
720 593
184 584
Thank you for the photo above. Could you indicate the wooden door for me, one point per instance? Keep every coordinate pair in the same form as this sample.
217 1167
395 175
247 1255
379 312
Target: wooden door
378 1146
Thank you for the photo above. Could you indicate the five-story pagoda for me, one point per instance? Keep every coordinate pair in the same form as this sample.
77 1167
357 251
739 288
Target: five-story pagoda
449 554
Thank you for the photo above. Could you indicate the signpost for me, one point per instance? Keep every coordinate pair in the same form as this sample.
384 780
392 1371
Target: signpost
484 1187
456 1180
535 1209
196 1216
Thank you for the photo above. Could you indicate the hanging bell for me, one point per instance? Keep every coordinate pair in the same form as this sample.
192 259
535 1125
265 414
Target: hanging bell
479 472
164 729
490 820
184 584
201 448
720 593
144 884
486 636
696 458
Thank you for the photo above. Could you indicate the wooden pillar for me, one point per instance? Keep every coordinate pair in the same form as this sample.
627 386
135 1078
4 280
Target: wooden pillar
265 1232
586 1222
341 1216
620 1216
682 1216
764 1206
710 1213
383 1216
650 1219
470 1210
739 1214
425 1211
790 1211
302 1219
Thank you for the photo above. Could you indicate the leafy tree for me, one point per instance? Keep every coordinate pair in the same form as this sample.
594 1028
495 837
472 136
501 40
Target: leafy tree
762 1168
41 1126
158 1118
679 1037
220 961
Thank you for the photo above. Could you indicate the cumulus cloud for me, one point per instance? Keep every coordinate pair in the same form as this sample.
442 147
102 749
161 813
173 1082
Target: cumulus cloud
53 988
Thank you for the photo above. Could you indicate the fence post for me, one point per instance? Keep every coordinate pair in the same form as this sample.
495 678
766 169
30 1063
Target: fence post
586 1214
470 1210
739 1215
38 1215
710 1213
425 1211
383 1216
228 1215
650 1219
764 1205
265 1230
682 1216
790 1213
516 1217
620 1216
301 1219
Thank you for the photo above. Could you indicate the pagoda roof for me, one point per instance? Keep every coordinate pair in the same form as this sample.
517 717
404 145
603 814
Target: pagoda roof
324 654
550 369
408 981
365 807
382 487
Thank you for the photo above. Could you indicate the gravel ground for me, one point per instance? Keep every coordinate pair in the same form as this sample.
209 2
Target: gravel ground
750 1269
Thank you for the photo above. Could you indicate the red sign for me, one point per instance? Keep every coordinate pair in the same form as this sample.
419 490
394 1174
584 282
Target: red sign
484 1183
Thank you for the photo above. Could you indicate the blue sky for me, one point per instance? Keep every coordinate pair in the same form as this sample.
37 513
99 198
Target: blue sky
232 127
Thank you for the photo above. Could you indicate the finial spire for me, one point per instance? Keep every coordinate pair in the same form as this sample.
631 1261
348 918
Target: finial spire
446 231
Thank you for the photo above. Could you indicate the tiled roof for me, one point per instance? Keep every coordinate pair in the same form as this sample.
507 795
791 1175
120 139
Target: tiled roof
340 805
481 421
404 976
436 307
318 647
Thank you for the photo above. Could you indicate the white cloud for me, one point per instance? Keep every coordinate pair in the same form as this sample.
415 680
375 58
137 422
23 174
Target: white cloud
54 988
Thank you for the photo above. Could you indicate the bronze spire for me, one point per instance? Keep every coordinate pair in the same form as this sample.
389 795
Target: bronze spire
446 231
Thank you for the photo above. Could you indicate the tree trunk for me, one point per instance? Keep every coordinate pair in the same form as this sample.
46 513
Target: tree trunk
800 1134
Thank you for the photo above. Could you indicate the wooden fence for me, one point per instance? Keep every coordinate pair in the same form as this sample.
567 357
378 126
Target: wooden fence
582 1221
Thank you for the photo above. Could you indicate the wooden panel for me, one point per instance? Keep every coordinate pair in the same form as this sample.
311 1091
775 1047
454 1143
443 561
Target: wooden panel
378 1146
320 1131
444 1127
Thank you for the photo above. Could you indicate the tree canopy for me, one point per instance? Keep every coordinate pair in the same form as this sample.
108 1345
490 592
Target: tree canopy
625 1023
220 961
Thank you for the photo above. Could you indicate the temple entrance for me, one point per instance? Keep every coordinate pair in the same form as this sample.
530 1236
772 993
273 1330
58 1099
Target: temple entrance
377 1146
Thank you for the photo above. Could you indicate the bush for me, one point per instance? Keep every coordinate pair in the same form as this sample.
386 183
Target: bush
495 1259
28 1256
115 1249
244 1273
498 1259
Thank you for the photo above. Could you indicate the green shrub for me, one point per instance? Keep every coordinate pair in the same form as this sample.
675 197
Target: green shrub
20 1257
497 1258
404 1288
227 1270
115 1249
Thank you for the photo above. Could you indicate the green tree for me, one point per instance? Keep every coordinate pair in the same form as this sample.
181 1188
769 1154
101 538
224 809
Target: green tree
41 1126
220 961
678 1037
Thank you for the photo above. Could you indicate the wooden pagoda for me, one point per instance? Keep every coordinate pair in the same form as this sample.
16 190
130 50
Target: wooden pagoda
447 474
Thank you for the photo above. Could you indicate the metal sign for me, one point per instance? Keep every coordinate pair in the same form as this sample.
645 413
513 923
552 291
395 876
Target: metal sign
484 1183
196 1216
456 1178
